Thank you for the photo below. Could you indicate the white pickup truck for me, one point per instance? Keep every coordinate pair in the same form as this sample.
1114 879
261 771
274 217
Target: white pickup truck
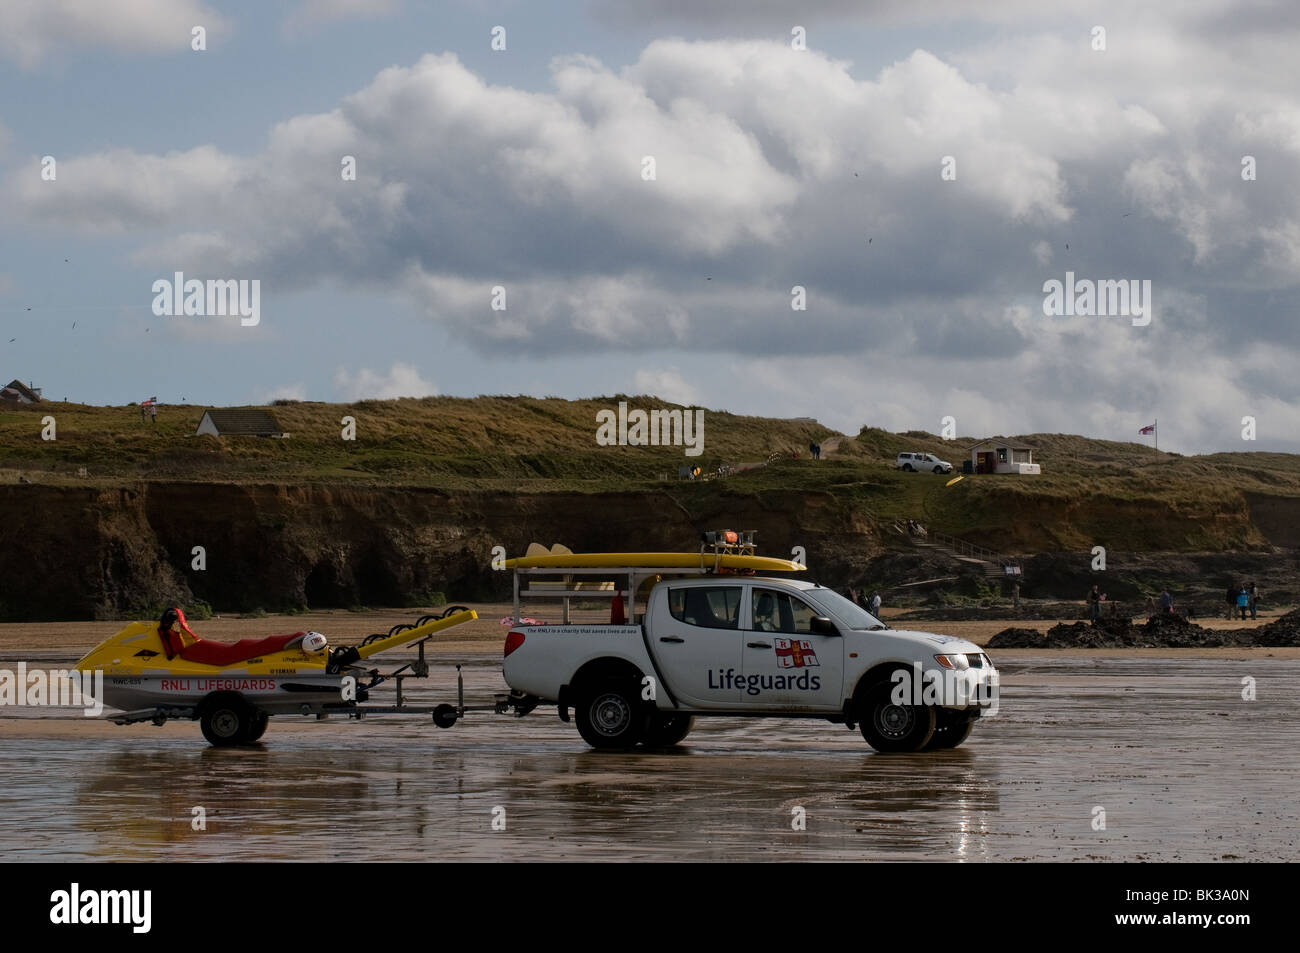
741 645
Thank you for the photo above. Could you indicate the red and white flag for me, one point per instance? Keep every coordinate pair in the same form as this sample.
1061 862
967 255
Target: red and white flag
1151 428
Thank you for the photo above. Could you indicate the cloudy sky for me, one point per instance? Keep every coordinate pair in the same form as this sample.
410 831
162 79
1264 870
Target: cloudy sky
919 169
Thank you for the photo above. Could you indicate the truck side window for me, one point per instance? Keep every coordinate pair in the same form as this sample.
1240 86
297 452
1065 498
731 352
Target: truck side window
780 612
713 607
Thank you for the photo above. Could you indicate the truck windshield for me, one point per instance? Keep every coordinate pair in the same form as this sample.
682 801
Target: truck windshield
854 616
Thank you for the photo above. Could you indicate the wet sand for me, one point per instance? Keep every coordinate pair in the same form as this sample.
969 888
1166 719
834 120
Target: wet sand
1184 769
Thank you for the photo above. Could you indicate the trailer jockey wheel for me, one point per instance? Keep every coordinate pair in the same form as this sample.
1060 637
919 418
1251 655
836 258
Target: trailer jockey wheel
444 716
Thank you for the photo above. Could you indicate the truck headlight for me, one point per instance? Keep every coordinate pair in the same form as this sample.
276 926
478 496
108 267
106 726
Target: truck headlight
958 663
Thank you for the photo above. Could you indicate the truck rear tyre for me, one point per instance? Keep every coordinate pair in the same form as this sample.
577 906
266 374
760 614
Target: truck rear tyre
611 715
667 729
226 719
891 728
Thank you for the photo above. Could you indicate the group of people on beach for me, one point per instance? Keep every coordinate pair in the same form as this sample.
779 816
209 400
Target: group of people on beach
1239 597
1242 597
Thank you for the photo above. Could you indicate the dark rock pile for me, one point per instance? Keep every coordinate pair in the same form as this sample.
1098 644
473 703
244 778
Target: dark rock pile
1160 631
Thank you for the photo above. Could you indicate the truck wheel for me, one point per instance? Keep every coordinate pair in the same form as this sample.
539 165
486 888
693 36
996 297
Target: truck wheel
668 729
611 715
257 727
938 469
907 468
888 727
951 735
225 719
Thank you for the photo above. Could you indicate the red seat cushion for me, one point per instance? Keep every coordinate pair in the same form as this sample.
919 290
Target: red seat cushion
228 653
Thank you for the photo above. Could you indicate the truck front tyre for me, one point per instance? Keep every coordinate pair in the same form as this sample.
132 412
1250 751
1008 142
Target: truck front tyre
667 729
611 715
890 728
950 733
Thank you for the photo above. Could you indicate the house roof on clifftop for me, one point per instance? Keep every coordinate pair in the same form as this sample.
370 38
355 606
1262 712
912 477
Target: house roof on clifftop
243 421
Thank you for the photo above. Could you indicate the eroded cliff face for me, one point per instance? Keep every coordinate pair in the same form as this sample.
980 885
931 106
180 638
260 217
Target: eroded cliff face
76 553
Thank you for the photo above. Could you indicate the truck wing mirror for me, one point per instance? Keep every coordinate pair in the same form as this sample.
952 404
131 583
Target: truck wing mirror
822 625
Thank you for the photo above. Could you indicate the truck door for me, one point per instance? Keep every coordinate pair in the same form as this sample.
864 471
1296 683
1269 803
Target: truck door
787 665
695 635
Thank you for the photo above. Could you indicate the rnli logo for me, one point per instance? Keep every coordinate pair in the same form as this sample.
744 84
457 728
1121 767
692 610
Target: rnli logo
795 653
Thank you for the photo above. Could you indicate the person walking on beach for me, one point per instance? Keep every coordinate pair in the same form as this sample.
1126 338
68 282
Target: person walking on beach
1232 600
1094 604
1253 593
1242 600
875 604
1166 602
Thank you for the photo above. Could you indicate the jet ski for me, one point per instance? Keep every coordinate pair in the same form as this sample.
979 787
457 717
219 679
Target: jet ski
154 671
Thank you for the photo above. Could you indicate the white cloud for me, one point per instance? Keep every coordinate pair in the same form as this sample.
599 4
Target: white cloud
296 391
668 384
120 190
403 380
36 29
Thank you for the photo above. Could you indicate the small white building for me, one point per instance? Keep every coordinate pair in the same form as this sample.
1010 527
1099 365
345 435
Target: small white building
1003 456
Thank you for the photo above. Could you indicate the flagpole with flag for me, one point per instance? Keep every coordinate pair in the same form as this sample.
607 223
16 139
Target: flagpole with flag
1153 430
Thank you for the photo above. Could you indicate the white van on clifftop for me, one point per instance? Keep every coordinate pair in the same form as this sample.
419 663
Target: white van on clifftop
922 461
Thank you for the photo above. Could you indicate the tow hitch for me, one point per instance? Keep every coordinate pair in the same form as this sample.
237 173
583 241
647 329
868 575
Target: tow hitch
444 716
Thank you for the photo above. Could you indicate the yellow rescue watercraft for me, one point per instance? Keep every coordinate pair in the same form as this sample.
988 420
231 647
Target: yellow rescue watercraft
154 671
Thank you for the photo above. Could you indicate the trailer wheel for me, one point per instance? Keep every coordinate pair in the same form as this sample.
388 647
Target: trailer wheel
668 729
257 727
889 727
611 715
444 716
225 718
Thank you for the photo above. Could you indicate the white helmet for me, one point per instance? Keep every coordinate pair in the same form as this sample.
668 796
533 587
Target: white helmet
313 642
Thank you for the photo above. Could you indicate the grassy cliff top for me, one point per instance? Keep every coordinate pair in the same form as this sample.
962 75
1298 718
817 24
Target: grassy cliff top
525 444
